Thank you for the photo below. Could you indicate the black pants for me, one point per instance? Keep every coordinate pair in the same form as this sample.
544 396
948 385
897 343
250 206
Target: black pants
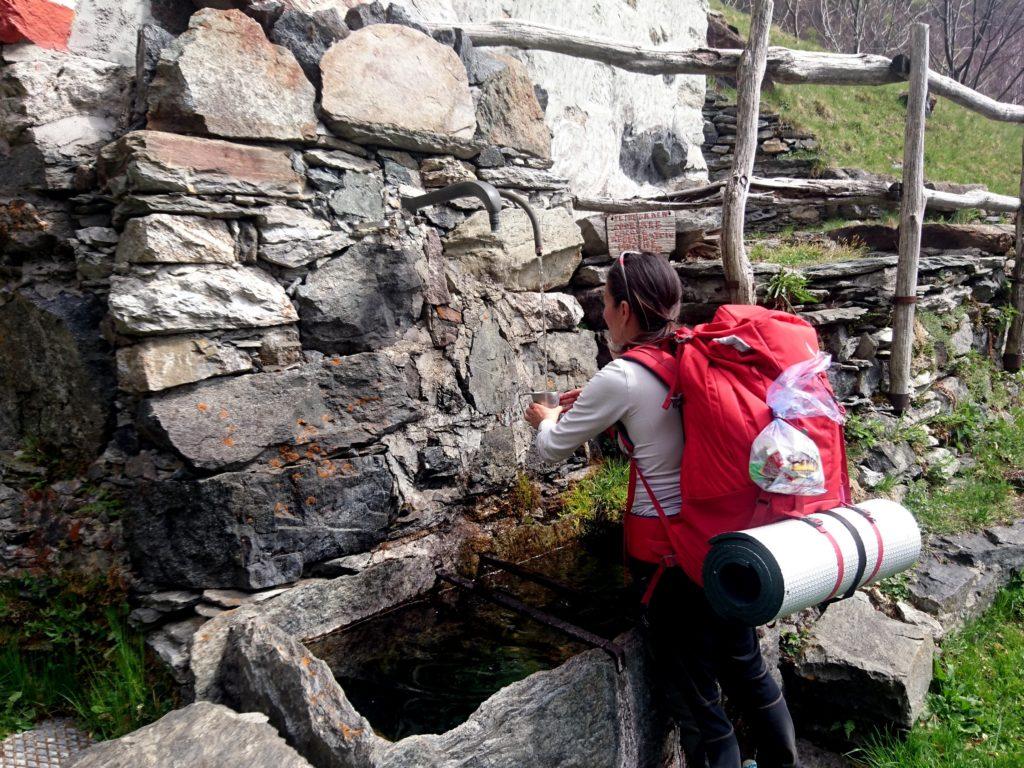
693 649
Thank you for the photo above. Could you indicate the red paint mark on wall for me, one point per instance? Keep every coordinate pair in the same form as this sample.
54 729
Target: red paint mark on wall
42 22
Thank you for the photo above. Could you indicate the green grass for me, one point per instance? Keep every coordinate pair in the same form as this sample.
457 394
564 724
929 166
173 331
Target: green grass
524 496
599 498
786 290
983 495
862 127
803 254
987 426
977 699
66 649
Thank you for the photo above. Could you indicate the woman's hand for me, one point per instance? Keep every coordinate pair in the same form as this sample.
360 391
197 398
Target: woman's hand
566 399
536 413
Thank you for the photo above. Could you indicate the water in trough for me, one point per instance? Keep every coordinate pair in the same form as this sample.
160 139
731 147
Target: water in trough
425 667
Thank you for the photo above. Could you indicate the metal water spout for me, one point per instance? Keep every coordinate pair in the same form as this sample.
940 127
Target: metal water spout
538 247
481 190
491 198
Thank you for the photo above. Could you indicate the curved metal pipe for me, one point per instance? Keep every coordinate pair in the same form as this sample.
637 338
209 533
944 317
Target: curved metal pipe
523 203
484 192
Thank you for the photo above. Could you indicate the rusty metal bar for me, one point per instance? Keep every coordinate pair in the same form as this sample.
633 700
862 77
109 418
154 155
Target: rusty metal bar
537 578
508 601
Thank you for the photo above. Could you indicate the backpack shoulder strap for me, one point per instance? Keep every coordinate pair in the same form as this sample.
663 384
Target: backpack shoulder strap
657 360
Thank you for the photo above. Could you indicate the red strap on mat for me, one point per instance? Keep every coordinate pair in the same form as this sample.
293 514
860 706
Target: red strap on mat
878 537
820 528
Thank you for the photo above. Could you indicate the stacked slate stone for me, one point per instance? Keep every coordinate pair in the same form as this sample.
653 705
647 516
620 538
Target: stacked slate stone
781 150
276 364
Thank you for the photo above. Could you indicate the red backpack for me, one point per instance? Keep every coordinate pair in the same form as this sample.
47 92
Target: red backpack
721 372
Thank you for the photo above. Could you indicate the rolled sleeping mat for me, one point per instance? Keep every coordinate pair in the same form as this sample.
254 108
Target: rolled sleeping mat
756 576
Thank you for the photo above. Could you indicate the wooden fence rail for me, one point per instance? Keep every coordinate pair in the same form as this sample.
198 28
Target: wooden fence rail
783 64
790 66
788 191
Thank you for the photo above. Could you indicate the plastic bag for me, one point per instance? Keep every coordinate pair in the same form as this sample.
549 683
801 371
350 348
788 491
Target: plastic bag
800 391
783 459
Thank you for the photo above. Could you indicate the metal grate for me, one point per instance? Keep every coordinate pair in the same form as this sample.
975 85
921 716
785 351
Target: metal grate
51 744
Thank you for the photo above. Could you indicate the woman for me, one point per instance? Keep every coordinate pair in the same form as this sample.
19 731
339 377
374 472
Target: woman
691 646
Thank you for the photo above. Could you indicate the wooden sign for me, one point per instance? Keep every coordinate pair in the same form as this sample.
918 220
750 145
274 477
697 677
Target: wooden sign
648 231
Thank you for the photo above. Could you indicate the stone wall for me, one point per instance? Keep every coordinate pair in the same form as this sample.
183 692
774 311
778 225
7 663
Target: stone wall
221 320
781 149
232 365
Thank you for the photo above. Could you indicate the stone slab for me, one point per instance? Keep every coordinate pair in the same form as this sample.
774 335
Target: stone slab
159 162
195 298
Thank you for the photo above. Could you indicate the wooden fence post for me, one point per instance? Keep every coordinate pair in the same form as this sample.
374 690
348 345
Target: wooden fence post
911 214
739 276
1015 334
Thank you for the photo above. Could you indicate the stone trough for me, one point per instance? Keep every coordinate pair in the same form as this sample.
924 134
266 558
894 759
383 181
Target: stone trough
582 712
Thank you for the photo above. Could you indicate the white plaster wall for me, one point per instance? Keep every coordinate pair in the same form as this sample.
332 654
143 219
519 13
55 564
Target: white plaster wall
106 29
590 103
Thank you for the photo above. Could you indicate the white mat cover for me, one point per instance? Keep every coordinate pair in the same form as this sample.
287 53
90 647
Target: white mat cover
758 575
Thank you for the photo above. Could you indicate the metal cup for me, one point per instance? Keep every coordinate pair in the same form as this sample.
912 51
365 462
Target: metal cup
546 398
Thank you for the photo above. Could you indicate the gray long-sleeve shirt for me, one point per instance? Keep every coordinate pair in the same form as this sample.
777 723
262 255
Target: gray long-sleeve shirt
626 392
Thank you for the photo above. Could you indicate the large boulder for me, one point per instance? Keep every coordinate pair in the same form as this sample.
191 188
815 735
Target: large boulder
196 298
508 113
859 665
56 380
508 256
397 86
999 547
223 77
201 734
303 413
256 529
155 161
582 714
491 388
267 670
363 299
954 592
57 111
